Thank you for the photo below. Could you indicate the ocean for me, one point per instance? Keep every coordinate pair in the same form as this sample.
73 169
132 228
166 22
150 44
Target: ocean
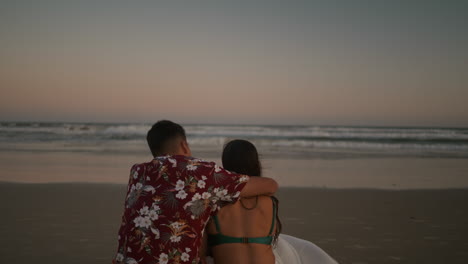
327 142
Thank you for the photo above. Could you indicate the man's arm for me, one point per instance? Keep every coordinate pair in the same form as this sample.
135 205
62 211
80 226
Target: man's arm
259 186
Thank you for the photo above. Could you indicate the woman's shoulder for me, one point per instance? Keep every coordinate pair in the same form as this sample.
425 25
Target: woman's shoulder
262 202
266 201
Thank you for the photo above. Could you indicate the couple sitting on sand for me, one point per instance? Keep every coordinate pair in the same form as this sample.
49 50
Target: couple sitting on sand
179 209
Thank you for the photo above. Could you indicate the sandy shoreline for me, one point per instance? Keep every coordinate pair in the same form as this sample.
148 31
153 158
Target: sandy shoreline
77 223
376 173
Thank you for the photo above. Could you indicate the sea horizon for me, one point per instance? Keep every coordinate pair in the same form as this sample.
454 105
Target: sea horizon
236 124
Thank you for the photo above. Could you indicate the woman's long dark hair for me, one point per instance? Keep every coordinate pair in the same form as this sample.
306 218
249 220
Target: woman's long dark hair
241 156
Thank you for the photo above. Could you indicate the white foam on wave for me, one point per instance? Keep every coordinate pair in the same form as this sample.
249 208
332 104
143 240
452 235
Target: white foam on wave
126 130
207 141
268 138
363 145
291 132
329 132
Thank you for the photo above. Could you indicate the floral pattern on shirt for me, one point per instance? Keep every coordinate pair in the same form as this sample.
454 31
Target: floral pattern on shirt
169 201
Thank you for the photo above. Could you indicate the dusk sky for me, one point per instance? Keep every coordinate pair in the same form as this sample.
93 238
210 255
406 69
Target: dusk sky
390 63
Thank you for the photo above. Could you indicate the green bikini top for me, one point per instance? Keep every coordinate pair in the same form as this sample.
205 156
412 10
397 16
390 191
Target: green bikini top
219 238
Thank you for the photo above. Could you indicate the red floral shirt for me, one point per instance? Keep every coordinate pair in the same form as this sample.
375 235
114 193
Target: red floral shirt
169 202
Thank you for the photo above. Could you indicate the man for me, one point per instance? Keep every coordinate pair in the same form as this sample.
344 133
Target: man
171 198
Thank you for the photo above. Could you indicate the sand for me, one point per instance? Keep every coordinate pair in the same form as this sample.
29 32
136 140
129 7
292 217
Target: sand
77 223
375 173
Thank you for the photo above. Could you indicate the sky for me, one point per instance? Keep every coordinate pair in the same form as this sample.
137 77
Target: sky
382 63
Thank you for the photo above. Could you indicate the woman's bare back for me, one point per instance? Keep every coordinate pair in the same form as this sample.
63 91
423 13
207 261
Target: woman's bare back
237 221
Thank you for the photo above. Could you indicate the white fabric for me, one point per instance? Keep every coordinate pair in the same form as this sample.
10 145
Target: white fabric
293 250
285 253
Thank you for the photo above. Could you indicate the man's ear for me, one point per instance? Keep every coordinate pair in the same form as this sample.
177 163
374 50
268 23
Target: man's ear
185 148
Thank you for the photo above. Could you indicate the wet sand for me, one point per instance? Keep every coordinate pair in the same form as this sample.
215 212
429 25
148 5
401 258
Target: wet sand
375 173
77 223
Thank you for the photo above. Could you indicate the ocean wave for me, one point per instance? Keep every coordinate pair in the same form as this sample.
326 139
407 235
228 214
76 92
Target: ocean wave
268 138
365 145
285 132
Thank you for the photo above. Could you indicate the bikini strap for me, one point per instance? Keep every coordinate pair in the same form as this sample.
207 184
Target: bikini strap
218 228
215 218
274 216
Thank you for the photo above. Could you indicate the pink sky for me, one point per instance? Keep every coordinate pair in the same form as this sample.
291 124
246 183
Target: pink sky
275 67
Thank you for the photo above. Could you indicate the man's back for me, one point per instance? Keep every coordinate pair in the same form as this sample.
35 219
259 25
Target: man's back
169 201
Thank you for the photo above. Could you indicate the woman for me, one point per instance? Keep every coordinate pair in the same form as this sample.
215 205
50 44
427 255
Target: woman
244 232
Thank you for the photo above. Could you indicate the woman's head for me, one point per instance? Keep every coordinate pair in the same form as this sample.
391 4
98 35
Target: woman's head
241 156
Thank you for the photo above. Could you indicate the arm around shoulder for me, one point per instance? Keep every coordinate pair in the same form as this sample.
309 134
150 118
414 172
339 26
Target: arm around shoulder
259 186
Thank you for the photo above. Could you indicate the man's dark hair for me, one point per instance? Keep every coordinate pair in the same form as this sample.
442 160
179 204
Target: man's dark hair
161 133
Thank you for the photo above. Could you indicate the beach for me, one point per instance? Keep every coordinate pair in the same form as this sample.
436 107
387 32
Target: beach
357 109
78 223
364 195
393 173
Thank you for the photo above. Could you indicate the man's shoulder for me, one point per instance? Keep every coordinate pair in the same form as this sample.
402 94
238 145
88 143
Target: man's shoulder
177 162
141 165
190 160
